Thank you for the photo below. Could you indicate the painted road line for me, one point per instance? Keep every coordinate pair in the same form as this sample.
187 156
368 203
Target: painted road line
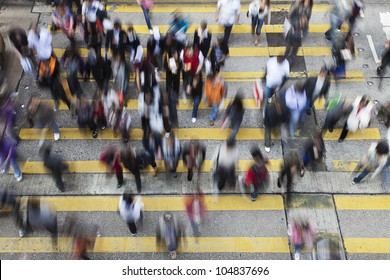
164 203
240 52
373 50
201 8
148 245
311 201
351 76
345 165
95 166
249 104
237 29
367 245
362 202
189 133
137 133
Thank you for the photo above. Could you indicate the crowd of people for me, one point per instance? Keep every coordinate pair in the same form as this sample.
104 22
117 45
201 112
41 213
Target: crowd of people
185 62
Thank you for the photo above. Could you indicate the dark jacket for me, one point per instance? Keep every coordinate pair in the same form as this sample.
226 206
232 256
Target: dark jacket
310 85
116 47
205 45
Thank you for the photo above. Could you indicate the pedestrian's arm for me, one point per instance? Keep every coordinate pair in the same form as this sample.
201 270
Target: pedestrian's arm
201 60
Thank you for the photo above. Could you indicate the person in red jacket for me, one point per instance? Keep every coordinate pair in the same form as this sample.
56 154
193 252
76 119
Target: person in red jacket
192 65
111 157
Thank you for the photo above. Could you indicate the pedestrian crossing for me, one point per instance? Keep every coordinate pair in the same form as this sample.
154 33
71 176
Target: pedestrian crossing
223 203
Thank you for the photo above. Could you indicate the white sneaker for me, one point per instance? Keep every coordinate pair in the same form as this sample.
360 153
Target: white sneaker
267 149
167 134
19 178
193 120
22 233
56 136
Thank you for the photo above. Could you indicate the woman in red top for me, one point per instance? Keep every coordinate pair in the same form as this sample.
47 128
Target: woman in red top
192 65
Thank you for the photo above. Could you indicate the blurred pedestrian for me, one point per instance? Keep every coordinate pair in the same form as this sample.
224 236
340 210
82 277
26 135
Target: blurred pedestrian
225 160
375 160
192 61
359 117
85 116
178 27
116 41
131 211
217 55
196 210
194 155
169 231
196 94
202 38
8 155
380 71
296 102
291 168
257 175
228 13
313 151
316 87
258 10
146 5
63 19
74 65
233 116
111 157
172 150
42 116
336 108
215 91
276 73
56 165
295 232
130 161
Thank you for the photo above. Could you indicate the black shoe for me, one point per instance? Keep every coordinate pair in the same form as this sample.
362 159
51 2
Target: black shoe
308 112
279 184
379 71
341 140
330 130
119 185
94 134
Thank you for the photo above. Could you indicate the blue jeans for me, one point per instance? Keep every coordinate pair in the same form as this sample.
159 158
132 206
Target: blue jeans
258 24
197 100
147 17
15 167
268 92
214 112
235 128
296 117
55 128
361 176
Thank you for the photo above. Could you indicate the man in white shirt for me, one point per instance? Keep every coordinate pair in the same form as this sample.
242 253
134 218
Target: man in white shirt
277 72
228 13
296 102
89 10
39 40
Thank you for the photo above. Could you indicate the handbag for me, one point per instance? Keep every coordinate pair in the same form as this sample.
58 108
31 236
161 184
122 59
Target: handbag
258 93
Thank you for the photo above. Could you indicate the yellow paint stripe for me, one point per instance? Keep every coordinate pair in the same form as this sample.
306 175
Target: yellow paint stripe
367 245
201 9
165 203
362 202
241 52
95 166
190 133
345 165
136 134
148 244
132 104
237 29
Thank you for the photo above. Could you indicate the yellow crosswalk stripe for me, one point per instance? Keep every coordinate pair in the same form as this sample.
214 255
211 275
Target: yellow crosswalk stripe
201 9
362 202
148 244
345 165
165 203
237 29
190 133
241 52
249 104
95 166
367 245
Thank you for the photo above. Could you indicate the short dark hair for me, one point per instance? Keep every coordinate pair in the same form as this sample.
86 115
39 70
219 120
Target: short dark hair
382 148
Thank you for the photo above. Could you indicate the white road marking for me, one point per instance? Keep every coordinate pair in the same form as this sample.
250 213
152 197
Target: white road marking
372 47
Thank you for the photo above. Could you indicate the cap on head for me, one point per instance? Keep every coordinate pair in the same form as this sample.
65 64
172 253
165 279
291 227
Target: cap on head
168 217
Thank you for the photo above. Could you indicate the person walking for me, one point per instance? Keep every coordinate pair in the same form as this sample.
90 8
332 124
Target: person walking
316 87
56 165
359 117
215 91
257 175
62 18
42 116
111 157
375 160
8 145
292 166
192 61
217 55
196 210
129 161
131 211
313 151
225 160
233 116
146 5
202 38
258 10
116 41
194 155
169 231
171 150
276 73
385 60
177 28
228 13
296 102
